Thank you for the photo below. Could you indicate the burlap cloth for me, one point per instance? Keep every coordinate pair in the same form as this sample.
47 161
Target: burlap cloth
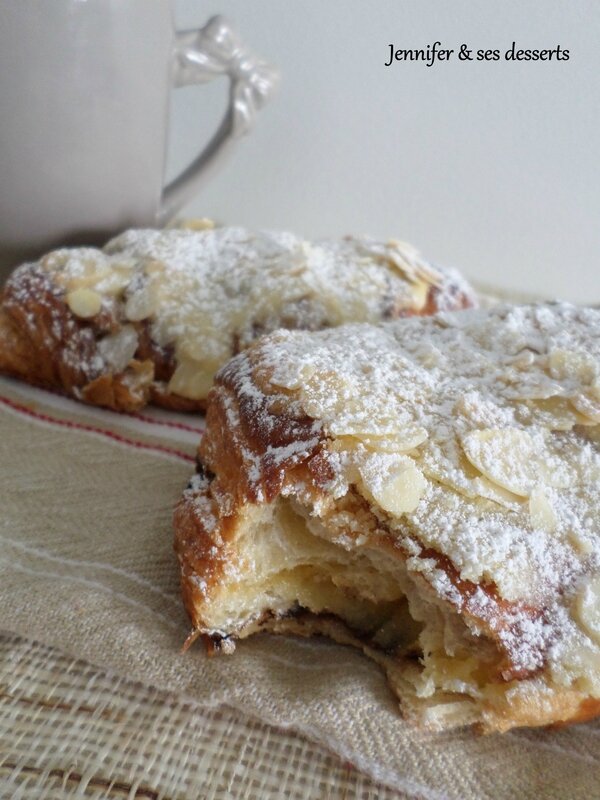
88 577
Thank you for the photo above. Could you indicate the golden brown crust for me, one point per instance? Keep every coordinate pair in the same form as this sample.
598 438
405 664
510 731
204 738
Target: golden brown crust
160 396
43 343
15 349
34 315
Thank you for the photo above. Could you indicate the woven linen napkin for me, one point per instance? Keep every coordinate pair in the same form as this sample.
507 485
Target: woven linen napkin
87 566
71 730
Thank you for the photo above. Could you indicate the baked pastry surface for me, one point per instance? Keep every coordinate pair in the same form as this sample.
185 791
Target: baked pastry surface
152 316
426 489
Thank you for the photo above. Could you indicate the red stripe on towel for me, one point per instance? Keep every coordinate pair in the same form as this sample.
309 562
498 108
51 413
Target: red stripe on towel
92 429
167 423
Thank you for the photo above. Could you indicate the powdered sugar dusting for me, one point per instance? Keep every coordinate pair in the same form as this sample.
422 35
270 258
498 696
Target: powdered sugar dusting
217 290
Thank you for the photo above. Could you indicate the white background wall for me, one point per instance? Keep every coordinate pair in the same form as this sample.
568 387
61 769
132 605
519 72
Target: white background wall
492 167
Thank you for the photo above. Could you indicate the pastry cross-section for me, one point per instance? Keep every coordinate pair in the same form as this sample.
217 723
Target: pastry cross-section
425 489
152 316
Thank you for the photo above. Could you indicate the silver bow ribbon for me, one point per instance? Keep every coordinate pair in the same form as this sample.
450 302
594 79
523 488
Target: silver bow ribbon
216 49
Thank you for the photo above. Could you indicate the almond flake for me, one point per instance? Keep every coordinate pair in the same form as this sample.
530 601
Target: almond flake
84 303
541 511
587 608
113 283
572 365
119 349
191 379
141 304
507 456
588 406
400 492
401 442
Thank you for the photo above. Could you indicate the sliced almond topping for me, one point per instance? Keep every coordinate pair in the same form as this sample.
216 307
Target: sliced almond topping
581 542
119 348
588 406
537 387
541 511
572 365
56 260
587 608
507 456
401 442
124 264
113 283
405 258
154 267
191 379
420 292
400 492
392 444
522 360
411 264
328 392
197 224
479 410
358 419
492 491
294 380
84 303
334 308
141 304
206 346
436 465
556 414
86 277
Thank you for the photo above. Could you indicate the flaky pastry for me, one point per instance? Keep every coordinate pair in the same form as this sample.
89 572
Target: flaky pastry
425 489
152 316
